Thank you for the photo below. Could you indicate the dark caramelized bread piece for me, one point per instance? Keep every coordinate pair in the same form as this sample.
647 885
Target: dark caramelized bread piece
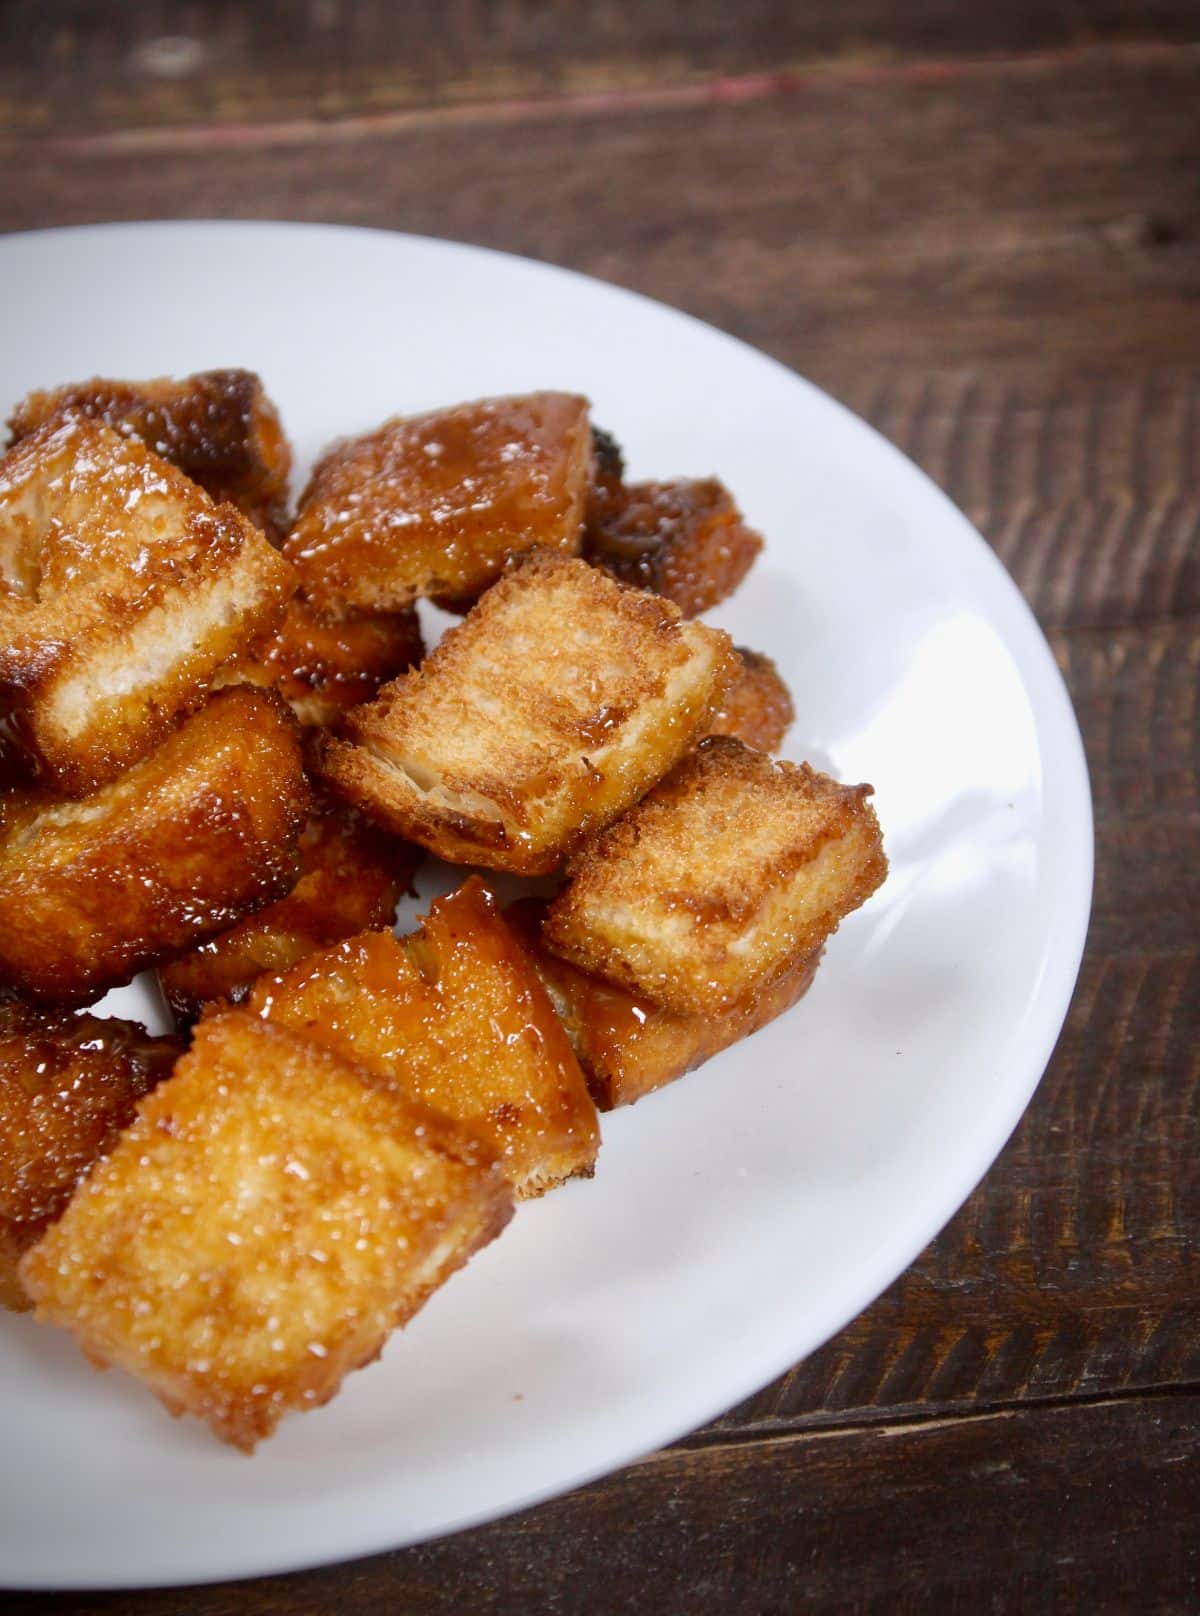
269 1218
685 540
433 505
454 1015
628 1046
218 426
186 842
351 878
558 701
68 1085
726 875
122 590
324 666
607 491
757 707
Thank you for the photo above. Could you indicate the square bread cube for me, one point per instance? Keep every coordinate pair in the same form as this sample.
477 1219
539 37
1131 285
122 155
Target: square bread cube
271 1216
68 1086
122 590
185 843
455 1016
757 707
218 426
726 875
627 1046
351 878
434 505
685 540
556 703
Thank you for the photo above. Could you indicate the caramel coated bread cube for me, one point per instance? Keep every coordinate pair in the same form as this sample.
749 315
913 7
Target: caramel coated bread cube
433 505
122 590
185 843
219 427
68 1085
454 1015
725 876
556 703
757 707
272 1215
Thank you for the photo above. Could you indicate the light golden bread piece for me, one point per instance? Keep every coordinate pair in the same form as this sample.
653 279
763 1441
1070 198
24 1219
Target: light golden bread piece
185 843
628 1046
556 703
324 666
122 590
685 540
757 707
433 505
727 874
271 1216
351 878
219 427
68 1085
454 1015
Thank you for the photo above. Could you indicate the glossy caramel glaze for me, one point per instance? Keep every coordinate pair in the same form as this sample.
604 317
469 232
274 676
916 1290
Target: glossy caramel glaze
686 540
218 426
68 1085
757 707
351 878
456 1016
433 505
273 1213
184 844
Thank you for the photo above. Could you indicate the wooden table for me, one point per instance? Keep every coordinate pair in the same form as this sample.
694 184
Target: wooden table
980 227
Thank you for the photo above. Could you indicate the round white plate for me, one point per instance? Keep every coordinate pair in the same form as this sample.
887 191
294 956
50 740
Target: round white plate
741 1216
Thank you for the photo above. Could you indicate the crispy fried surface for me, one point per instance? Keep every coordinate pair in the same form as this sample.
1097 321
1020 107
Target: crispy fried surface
729 871
182 845
324 666
557 701
433 505
218 426
757 707
122 590
68 1085
628 1046
456 1016
351 878
270 1217
685 540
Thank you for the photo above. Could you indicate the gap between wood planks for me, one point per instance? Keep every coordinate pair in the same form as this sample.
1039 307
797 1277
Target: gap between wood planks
727 90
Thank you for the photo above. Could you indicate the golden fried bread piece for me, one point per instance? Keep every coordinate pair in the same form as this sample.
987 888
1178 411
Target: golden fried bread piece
433 505
218 426
271 1216
557 702
186 842
728 872
456 1016
757 708
324 666
686 540
68 1085
627 1046
122 590
351 878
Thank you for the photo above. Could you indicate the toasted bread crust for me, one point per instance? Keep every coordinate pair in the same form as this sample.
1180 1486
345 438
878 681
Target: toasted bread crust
434 505
757 707
184 844
456 1016
122 590
272 1214
351 879
728 872
557 702
685 540
218 426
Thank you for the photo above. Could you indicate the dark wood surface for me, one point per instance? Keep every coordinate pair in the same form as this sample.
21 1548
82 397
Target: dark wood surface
980 227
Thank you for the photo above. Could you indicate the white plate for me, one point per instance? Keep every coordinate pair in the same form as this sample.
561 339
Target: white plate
743 1215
